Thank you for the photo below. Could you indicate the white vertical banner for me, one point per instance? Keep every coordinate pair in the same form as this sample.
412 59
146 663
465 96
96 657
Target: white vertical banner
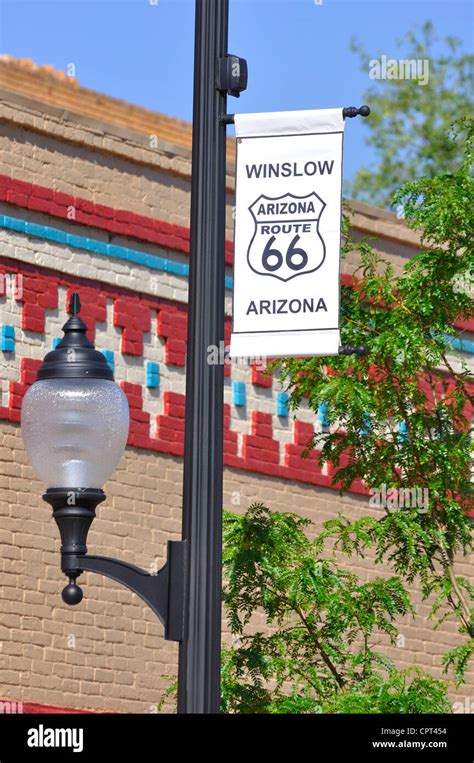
287 234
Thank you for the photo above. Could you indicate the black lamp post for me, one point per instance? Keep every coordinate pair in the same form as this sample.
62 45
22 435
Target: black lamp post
216 74
75 422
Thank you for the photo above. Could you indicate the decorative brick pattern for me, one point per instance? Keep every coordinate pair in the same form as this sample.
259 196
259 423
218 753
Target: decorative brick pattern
303 434
76 210
139 419
261 450
36 296
134 319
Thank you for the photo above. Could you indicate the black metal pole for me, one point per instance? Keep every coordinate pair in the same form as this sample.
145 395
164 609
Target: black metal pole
199 659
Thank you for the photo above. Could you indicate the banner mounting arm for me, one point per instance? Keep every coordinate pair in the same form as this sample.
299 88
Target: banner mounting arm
349 349
348 113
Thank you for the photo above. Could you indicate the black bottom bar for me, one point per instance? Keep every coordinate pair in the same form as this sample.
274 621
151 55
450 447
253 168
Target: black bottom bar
325 737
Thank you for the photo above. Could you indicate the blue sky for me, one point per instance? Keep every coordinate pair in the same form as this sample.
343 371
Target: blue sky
298 51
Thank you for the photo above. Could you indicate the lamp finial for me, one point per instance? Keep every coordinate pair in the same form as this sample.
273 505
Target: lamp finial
74 304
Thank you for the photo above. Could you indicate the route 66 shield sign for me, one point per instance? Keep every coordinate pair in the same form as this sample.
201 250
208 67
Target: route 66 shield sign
287 242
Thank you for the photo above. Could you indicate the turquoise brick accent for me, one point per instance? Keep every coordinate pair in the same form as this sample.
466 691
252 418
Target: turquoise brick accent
461 344
100 247
322 417
367 425
32 229
114 251
13 223
239 393
54 234
109 356
402 428
56 341
282 404
152 375
80 242
8 338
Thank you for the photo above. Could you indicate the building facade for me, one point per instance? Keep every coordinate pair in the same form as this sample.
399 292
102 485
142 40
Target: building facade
95 198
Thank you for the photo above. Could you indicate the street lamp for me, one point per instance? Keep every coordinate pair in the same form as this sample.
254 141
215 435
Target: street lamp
75 418
75 422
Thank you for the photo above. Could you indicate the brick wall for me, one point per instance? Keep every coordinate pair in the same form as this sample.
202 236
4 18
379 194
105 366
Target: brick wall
88 204
109 653
57 89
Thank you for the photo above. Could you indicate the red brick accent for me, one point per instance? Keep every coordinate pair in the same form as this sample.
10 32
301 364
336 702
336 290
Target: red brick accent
133 316
260 378
58 204
28 370
131 310
260 445
230 437
357 486
302 434
139 419
170 425
173 325
38 294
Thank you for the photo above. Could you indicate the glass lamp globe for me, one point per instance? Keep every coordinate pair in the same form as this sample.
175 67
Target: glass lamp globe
75 430
75 418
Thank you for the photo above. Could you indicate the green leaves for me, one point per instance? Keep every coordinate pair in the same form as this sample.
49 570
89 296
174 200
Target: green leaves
409 691
317 652
401 417
458 660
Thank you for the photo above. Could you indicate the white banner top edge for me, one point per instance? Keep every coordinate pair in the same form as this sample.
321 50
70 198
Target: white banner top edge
289 122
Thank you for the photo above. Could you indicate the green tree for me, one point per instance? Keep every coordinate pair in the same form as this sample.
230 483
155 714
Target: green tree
317 654
404 412
409 124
